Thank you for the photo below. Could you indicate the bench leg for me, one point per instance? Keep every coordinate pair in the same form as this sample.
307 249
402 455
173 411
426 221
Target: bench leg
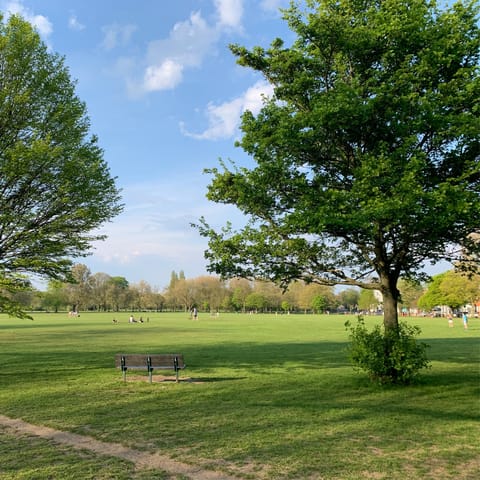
149 368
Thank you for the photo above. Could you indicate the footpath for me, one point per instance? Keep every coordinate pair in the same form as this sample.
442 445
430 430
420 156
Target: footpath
141 460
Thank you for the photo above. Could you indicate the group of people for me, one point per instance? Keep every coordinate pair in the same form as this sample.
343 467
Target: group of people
132 320
464 319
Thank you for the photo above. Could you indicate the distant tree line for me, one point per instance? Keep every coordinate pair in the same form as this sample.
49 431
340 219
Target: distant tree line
103 292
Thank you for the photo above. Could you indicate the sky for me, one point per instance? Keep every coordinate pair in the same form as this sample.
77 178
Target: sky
164 96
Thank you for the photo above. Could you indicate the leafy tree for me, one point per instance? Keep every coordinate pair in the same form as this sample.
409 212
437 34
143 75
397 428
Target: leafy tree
367 155
285 306
349 298
319 303
185 293
99 286
241 289
271 293
450 288
210 291
367 300
255 301
79 292
55 187
410 292
117 292
56 295
459 289
432 295
306 295
145 295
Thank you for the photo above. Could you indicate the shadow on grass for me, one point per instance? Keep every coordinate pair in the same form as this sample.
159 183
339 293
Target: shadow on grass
163 379
298 403
457 350
255 357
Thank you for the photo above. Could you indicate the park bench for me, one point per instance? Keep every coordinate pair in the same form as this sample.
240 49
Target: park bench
149 362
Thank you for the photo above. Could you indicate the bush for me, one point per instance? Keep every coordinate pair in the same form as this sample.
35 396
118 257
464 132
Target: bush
389 357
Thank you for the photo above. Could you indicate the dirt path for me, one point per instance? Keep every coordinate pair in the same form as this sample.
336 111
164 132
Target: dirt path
140 459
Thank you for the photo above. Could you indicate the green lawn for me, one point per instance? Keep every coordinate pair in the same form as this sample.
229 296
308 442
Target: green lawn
273 397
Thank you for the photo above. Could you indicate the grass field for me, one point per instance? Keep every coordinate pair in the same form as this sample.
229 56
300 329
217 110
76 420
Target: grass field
270 397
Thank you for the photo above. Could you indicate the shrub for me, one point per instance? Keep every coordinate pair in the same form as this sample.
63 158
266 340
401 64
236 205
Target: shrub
389 357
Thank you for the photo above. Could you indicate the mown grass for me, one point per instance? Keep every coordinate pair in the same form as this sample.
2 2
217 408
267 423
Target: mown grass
274 397
26 457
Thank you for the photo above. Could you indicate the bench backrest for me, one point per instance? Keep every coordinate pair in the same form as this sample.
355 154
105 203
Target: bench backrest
163 361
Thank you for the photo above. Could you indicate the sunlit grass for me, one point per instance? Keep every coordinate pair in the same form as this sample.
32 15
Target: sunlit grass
271 397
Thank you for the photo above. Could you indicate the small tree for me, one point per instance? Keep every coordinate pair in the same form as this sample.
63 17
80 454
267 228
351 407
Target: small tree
410 292
285 306
319 303
349 298
56 296
406 356
55 187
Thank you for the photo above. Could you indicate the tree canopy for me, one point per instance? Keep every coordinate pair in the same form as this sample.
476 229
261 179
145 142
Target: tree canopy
55 187
451 288
366 157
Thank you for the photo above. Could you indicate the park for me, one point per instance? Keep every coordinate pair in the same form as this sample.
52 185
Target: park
262 397
360 170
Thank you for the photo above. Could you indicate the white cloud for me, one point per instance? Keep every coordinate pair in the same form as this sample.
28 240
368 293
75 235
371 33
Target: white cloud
74 24
230 13
273 5
117 35
188 43
186 46
156 223
224 119
40 22
164 76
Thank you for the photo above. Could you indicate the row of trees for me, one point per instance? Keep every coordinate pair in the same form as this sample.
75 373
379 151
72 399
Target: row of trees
102 292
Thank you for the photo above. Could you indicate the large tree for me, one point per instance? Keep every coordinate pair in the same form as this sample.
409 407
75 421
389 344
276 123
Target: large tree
55 187
366 157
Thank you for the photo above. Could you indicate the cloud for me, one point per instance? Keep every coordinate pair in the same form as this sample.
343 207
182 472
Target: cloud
273 5
224 119
74 24
230 13
40 22
186 47
164 76
156 222
116 35
188 43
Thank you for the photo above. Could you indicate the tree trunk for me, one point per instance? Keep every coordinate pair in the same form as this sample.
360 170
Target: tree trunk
390 303
391 295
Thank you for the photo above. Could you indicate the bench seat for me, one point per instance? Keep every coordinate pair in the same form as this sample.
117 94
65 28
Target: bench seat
149 362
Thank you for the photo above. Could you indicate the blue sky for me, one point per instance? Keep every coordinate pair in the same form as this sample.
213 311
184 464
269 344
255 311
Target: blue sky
164 95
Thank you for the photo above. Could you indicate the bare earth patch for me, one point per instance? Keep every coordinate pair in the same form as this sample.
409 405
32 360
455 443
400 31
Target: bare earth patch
141 460
161 379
